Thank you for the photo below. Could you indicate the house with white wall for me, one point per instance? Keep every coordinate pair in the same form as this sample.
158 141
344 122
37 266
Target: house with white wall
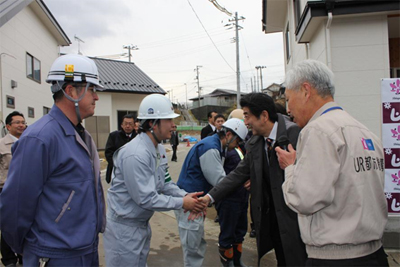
30 38
357 39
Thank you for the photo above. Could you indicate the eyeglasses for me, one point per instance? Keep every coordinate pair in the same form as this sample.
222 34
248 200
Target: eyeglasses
128 123
18 122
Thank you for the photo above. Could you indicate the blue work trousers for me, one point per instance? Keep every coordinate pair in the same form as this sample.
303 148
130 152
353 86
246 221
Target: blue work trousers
233 222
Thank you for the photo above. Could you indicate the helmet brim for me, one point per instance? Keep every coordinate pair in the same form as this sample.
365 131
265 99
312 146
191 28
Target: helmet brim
171 116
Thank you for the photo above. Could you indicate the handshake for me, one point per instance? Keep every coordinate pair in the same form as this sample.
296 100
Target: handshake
196 205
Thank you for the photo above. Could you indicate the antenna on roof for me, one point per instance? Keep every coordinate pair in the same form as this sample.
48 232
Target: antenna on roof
79 43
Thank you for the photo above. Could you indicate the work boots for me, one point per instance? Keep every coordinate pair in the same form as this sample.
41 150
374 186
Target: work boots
226 256
237 254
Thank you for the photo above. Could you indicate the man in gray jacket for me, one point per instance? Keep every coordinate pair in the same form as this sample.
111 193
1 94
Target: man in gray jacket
16 125
335 180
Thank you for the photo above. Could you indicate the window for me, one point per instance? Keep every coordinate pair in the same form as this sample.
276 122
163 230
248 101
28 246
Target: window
46 110
395 73
31 112
33 68
287 42
10 102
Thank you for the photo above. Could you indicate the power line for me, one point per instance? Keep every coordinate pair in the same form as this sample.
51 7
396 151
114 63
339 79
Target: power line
209 35
182 53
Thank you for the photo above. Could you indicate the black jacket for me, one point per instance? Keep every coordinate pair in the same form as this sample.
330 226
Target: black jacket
206 131
252 166
115 140
174 141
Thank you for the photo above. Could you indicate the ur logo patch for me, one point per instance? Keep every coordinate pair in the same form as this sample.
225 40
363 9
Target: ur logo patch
150 111
368 144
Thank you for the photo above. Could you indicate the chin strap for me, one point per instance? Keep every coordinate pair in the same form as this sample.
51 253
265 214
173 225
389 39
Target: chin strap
152 132
76 101
230 141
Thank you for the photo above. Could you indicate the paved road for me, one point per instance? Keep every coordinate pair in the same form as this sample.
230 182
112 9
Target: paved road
165 244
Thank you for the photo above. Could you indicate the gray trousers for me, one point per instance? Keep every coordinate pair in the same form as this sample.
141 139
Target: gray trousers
191 234
126 245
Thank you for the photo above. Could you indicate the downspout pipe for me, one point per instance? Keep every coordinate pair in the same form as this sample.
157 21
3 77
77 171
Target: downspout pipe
328 40
329 8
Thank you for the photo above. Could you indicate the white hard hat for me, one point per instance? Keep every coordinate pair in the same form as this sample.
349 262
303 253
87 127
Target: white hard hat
236 113
156 106
73 68
237 126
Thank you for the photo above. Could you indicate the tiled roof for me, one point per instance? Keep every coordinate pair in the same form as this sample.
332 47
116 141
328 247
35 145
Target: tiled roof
125 77
219 92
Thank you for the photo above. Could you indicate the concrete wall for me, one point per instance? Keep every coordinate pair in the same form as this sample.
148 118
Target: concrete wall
25 33
360 58
110 103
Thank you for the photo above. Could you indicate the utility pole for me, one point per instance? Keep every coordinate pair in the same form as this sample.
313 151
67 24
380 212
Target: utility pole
130 47
235 21
79 43
261 79
257 81
186 97
198 81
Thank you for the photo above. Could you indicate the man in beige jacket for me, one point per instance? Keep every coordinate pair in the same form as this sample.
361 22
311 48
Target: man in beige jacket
15 124
335 179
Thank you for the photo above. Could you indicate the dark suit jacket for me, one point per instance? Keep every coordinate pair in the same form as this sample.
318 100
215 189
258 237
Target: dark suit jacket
115 140
174 141
252 167
206 131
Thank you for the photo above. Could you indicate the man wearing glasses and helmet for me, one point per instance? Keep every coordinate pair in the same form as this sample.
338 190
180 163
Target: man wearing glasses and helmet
52 205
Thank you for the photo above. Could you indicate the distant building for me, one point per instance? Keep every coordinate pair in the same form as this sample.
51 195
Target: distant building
219 100
276 91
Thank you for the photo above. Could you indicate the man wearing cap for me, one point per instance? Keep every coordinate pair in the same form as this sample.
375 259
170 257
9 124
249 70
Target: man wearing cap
202 169
52 205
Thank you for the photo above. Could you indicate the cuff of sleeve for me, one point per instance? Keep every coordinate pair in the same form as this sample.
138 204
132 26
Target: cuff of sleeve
212 200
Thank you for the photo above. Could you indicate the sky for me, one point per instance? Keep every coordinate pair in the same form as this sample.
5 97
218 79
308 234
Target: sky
173 37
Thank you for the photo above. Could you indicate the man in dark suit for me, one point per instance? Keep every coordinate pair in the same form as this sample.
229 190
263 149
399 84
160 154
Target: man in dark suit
117 139
210 128
174 141
276 225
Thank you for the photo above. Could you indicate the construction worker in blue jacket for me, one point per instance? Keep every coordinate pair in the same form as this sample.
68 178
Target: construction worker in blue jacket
201 170
52 205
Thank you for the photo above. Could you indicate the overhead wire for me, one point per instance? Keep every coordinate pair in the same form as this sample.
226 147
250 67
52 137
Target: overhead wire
182 53
209 36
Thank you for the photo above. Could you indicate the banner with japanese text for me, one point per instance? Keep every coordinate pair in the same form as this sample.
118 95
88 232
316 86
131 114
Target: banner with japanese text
391 141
